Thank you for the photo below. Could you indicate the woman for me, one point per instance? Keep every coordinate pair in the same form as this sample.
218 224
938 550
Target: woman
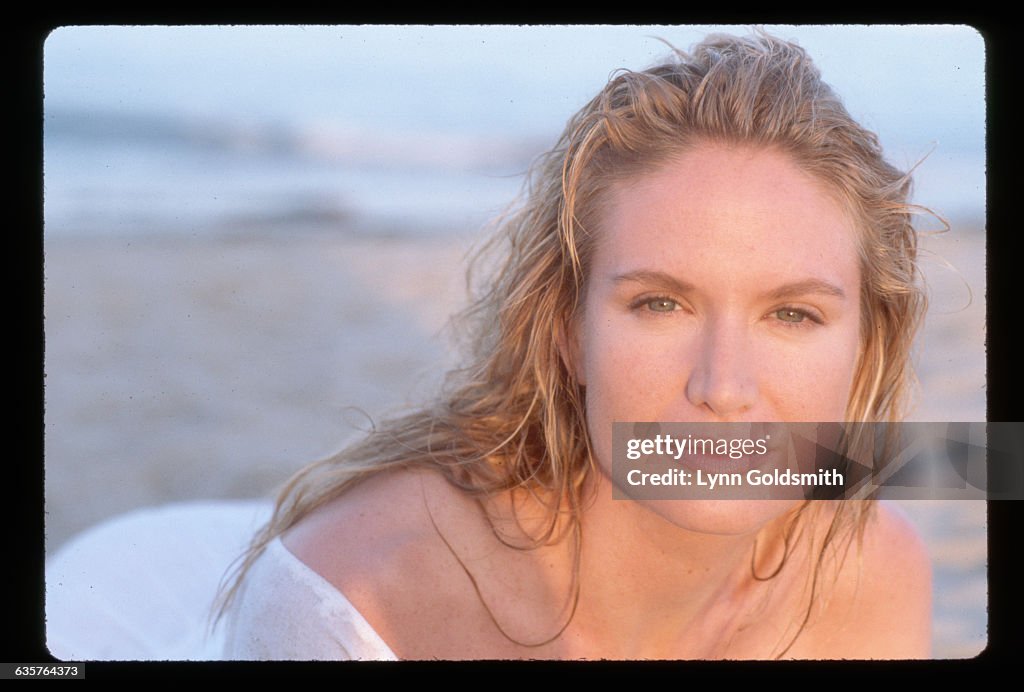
713 239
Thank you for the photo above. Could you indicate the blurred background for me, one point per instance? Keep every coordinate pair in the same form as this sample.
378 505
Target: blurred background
254 238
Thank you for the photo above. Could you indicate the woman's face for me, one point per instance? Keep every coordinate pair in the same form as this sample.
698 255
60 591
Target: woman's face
725 286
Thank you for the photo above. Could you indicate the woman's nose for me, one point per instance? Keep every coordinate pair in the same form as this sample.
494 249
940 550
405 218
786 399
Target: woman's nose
722 380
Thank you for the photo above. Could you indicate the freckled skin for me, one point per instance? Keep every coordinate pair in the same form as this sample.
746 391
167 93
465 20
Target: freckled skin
724 287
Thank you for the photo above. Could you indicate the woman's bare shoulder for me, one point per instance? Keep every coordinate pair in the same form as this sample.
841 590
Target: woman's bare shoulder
417 556
379 545
371 531
880 605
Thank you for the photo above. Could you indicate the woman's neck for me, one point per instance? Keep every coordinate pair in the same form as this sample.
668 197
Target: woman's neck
649 586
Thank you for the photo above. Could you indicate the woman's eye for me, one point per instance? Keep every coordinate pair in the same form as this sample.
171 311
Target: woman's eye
788 315
662 305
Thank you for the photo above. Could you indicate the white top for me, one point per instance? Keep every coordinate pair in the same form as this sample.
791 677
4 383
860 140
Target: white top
139 586
286 611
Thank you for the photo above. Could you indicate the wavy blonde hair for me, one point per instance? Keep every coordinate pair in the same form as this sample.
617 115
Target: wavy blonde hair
513 419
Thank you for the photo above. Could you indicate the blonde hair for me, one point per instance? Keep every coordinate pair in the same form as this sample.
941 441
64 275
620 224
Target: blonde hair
514 417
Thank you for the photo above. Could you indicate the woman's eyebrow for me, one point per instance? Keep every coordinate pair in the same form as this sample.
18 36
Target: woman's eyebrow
658 278
805 287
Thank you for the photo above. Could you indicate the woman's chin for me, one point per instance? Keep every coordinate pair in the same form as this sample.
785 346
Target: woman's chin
723 517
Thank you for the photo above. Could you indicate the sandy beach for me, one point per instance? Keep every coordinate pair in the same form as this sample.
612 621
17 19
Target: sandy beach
196 366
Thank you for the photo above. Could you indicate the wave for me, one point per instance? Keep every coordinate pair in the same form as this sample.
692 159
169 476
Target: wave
321 140
118 170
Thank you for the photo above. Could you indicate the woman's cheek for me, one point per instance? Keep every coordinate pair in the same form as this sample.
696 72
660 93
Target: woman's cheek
810 382
628 361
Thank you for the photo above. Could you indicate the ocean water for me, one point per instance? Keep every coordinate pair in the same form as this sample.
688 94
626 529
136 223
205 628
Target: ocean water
418 129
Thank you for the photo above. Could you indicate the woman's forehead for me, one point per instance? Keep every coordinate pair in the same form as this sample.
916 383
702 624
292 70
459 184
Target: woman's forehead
726 205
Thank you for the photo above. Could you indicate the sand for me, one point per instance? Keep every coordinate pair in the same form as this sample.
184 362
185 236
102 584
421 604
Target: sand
212 366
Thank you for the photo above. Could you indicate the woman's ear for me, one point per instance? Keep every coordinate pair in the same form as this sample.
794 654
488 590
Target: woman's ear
567 341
